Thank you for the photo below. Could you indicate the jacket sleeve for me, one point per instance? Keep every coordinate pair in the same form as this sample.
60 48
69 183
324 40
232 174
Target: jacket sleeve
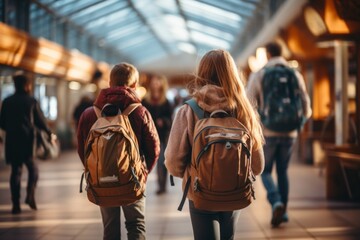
39 119
178 150
304 96
253 89
257 161
80 134
150 143
2 116
87 119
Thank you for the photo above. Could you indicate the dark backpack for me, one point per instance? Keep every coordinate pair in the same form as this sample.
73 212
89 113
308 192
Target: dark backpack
282 109
221 177
114 171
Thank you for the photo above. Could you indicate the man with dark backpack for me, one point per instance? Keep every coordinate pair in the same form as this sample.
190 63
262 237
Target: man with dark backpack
279 93
118 145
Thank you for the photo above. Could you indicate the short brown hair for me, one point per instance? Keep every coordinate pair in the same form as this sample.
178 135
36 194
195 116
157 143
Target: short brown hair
124 74
20 81
274 49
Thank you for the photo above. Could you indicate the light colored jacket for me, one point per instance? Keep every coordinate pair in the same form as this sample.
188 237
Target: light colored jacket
178 150
254 93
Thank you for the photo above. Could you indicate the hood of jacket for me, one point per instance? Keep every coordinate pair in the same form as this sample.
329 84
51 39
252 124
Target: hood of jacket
211 98
120 96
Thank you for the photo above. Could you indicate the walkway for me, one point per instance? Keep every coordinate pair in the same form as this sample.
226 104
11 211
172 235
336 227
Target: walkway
65 214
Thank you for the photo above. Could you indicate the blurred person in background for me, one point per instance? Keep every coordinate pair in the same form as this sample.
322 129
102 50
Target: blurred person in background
161 111
279 142
84 103
20 115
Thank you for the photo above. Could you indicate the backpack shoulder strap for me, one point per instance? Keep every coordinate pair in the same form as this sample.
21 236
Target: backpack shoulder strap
131 108
195 107
97 111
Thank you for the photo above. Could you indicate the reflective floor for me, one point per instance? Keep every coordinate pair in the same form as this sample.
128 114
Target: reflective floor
65 214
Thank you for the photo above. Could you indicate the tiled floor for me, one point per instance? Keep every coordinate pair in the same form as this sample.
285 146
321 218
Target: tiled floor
65 214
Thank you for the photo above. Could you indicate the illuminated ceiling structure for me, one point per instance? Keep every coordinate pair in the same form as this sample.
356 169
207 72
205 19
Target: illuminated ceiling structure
161 35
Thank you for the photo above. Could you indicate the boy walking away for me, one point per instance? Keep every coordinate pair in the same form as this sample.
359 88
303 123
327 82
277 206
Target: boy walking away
119 96
280 95
20 115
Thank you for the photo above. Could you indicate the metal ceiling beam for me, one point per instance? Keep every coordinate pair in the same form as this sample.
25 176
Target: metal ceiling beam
145 22
66 19
84 8
63 5
201 21
245 13
52 2
182 14
117 25
96 17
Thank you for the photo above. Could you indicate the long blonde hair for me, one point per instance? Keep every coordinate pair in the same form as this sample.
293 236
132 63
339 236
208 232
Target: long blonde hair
217 67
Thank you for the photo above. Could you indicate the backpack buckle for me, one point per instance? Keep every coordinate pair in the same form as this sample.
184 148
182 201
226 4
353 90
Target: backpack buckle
196 184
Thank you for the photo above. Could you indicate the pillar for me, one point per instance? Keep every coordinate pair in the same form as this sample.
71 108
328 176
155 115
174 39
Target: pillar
341 98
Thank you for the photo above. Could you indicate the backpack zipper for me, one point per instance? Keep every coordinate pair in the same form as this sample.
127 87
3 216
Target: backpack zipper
244 130
219 141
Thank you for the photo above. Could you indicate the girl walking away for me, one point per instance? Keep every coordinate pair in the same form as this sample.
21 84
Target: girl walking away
216 86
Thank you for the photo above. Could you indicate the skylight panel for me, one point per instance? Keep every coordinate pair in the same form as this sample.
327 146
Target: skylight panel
210 13
167 6
209 40
122 14
176 26
187 47
99 7
136 40
123 31
211 31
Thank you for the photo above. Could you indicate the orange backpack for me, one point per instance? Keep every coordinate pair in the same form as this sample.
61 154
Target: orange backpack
220 178
114 171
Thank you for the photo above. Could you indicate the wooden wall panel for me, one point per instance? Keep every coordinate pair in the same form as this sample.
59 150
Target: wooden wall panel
38 55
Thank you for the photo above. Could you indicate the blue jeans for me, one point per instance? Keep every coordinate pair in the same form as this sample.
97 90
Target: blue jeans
277 150
134 221
213 225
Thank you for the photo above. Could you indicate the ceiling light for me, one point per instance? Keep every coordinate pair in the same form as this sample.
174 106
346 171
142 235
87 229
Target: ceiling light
314 21
74 86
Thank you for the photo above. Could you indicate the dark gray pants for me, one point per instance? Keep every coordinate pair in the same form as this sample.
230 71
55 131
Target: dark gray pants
134 221
213 225
15 180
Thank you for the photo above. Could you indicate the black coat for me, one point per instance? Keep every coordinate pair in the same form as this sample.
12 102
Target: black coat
19 113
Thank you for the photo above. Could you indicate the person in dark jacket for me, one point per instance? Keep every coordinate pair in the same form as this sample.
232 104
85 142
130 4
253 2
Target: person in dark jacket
161 111
20 114
84 103
124 78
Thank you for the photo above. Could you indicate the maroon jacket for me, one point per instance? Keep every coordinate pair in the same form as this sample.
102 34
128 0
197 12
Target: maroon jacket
140 120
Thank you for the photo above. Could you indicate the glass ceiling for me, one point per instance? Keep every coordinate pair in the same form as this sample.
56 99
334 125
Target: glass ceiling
157 32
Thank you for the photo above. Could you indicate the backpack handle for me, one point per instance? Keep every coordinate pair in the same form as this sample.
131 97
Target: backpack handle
218 111
127 111
107 106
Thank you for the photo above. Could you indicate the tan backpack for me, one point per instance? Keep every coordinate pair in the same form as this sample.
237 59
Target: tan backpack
114 171
220 178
